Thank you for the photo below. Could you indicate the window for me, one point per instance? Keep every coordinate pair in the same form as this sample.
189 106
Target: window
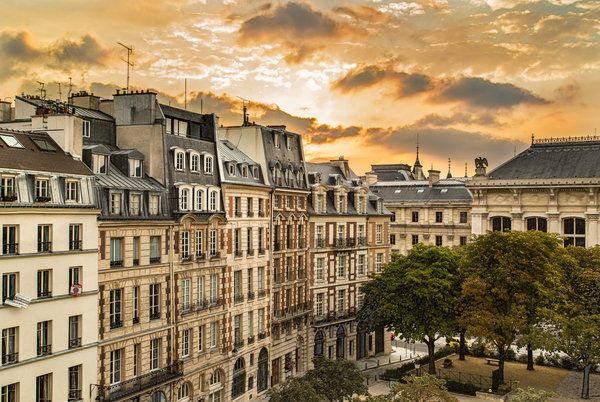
393 239
319 338
116 252
378 262
74 331
199 200
213 288
44 338
183 391
237 286
213 201
115 366
74 276
501 224
137 356
213 335
136 304
185 295
415 216
341 300
239 378
116 308
255 172
213 242
154 354
289 202
179 160
244 171
261 280
115 203
134 206
463 240
438 217
540 224
393 217
237 329
261 320
276 140
99 163
184 195
341 266
288 142
261 207
195 163
154 249
341 204
44 283
200 338
360 300
574 232
136 251
85 129
42 190
250 323
199 243
71 191
319 304
237 206
208 164
10 345
185 244
176 127
44 241
75 237
154 202
10 393
438 240
75 383
43 388
185 343
10 283
415 239
7 189
200 290
249 240
231 169
320 207
135 168
463 217
154 301
9 240
319 268
378 230
360 265
249 279
276 201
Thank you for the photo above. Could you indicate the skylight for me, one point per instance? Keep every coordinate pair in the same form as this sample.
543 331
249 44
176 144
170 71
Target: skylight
44 145
11 141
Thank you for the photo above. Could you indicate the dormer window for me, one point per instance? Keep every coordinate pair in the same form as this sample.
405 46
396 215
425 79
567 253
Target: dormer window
244 171
276 140
42 190
338 181
231 169
7 189
195 162
184 196
379 206
341 204
176 127
208 164
179 160
71 190
255 172
135 168
288 142
85 129
99 163
213 200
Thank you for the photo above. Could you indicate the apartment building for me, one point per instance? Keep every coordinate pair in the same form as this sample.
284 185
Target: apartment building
48 263
246 200
344 215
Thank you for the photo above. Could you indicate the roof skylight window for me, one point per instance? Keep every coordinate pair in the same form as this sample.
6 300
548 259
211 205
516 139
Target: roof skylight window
11 141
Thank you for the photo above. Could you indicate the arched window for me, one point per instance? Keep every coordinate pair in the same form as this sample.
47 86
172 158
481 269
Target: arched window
540 224
239 378
574 232
340 344
199 200
263 370
184 195
208 164
183 393
195 163
319 339
501 224
179 160
215 378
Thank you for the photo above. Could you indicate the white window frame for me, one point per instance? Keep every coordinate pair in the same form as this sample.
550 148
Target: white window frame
136 168
185 294
71 190
154 205
320 263
85 129
195 162
185 343
135 207
319 304
208 164
179 161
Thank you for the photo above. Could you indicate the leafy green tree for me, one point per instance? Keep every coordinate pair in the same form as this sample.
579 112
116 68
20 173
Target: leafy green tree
530 395
295 389
416 296
425 388
576 321
336 380
506 275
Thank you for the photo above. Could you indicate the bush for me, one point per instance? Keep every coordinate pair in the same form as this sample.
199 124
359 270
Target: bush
399 372
510 355
461 387
540 360
479 350
566 363
522 358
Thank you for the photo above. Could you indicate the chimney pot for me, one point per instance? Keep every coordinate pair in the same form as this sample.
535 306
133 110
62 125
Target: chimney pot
434 177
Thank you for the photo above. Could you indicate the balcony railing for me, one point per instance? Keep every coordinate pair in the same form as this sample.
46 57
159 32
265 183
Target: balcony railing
238 343
154 260
250 214
75 395
362 241
238 298
250 252
116 263
289 244
188 308
261 250
261 214
141 383
154 315
74 342
301 274
239 253
116 324
238 214
200 255
43 198
44 246
262 335
44 294
276 278
320 243
10 248
186 258
250 339
215 254
340 242
277 246
75 245
136 261
202 304
43 350
10 358
216 302
350 242
9 198
301 243
250 295
262 293
289 274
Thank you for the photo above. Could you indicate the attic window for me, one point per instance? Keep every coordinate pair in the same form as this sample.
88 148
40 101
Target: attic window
244 171
288 142
398 191
231 169
135 168
444 190
44 145
11 141
255 172
420 190
276 140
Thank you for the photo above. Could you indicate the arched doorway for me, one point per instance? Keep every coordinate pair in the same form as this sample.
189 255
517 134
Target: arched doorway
361 342
158 396
319 340
263 370
238 386
340 343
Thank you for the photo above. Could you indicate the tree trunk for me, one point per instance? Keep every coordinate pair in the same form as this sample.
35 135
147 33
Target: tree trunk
585 390
501 354
461 349
529 356
431 351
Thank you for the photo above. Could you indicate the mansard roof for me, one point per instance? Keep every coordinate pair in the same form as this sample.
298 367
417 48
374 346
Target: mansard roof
229 153
392 172
59 107
419 191
577 157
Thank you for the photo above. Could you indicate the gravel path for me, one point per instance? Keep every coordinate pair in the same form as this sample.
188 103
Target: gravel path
569 388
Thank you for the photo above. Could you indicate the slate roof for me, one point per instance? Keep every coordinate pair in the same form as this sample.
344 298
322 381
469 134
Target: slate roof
77 110
564 159
419 191
228 152
32 157
392 172
116 179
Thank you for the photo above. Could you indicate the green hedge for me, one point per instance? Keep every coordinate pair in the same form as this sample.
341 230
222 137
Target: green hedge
461 387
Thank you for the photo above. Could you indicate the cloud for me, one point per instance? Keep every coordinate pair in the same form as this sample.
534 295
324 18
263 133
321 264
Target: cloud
17 49
297 26
88 51
406 84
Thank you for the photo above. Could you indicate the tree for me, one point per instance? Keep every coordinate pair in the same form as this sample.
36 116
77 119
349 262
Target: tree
576 319
295 389
415 295
425 388
336 380
506 276
530 395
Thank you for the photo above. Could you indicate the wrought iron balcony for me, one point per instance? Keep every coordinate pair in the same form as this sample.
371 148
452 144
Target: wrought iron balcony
262 335
43 198
188 308
44 247
250 214
262 293
116 324
216 302
362 241
239 253
74 342
350 242
116 263
261 214
261 250
202 304
250 339
154 260
75 395
277 246
238 343
200 255
186 257
10 358
141 383
43 350
154 315
10 248
250 252
238 298
44 294
215 254
340 242
250 295
238 214
320 243
75 245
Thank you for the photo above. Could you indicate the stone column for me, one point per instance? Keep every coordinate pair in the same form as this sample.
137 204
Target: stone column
591 235
554 222
517 221
479 224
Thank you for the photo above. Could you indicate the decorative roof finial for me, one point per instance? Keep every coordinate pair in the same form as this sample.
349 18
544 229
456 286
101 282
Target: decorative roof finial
466 164
417 163
532 138
449 176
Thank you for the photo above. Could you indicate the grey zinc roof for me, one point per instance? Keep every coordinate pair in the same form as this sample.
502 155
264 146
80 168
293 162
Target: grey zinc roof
228 152
419 191
77 110
552 160
392 172
116 179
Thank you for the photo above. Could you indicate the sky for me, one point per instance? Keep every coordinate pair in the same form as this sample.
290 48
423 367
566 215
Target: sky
358 78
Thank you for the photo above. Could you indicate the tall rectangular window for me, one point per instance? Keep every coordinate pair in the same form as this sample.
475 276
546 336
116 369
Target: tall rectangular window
378 231
116 252
319 304
438 217
43 388
463 217
199 244
154 301
185 295
75 377
85 129
250 323
44 239
10 392
200 291
75 237
10 345
185 244
249 240
42 190
261 320
341 266
319 268
415 239
154 203
115 366
213 242
44 338
185 343
415 216
74 276
213 335
135 168
154 249
10 244
237 328
137 357
44 283
237 286
10 282
213 288
74 331
438 240
71 190
360 264
341 299
136 250
261 280
200 338
134 204
116 308
154 354
378 262
249 281
115 204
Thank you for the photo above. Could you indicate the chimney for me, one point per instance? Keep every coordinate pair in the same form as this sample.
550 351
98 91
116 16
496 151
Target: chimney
434 177
5 112
86 100
342 164
370 178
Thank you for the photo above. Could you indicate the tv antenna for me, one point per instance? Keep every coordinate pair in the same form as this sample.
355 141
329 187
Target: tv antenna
70 88
129 64
42 90
244 109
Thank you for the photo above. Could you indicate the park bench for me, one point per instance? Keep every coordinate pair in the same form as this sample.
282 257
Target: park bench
493 362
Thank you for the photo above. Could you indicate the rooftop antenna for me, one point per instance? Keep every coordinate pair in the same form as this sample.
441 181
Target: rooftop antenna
185 93
42 90
466 164
59 93
70 87
244 109
129 64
